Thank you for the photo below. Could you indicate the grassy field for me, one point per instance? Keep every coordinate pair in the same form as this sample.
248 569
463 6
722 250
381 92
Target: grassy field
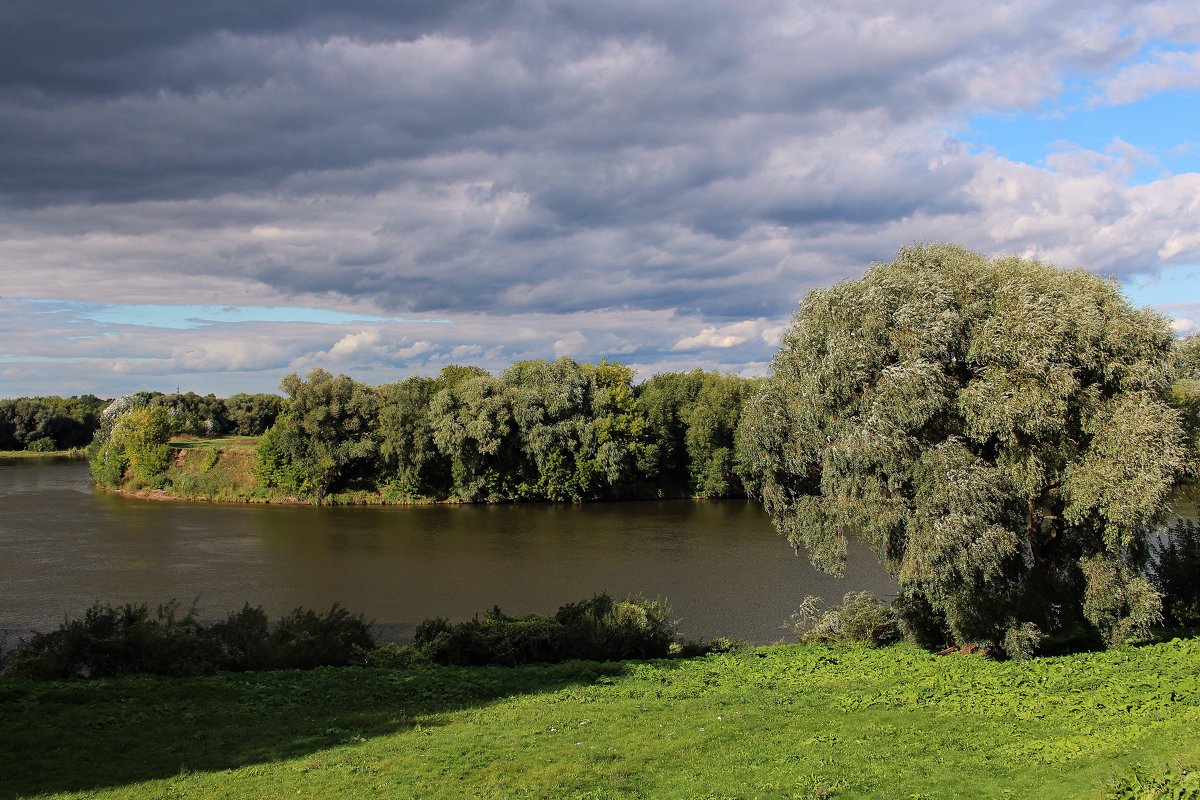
229 443
213 469
77 452
787 722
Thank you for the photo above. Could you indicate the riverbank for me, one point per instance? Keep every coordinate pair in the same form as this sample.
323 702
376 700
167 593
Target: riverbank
787 721
223 471
75 453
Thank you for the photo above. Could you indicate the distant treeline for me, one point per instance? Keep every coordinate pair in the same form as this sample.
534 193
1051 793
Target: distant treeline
60 423
541 430
44 424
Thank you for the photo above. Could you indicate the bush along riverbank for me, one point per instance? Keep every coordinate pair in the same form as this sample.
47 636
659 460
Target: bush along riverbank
109 641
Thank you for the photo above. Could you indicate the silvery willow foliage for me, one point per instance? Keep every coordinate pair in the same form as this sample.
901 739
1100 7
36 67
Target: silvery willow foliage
999 432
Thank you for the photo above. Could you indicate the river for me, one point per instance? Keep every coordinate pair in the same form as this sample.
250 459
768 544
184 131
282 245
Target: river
719 564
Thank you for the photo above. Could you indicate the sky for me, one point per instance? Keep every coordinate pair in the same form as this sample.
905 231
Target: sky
209 196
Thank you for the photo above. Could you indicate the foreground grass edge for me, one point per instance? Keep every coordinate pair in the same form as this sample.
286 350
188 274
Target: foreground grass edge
783 721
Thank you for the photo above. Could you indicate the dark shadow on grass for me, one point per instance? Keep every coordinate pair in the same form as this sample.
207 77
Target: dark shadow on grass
81 735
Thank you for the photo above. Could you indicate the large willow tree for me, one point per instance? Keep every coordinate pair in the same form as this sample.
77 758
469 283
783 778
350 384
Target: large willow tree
997 430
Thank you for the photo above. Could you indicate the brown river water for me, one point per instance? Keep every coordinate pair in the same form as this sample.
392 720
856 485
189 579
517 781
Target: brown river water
719 564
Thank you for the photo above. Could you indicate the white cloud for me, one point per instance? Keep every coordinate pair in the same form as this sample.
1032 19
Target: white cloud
772 334
363 341
572 342
228 354
720 337
413 350
1165 72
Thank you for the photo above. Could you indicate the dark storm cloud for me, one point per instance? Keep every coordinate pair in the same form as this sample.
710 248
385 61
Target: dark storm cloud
102 47
657 180
121 101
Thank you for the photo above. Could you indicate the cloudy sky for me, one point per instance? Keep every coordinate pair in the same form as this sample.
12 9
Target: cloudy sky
209 195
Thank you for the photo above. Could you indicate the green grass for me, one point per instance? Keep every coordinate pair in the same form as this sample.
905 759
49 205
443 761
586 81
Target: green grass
213 469
230 443
789 722
74 452
222 469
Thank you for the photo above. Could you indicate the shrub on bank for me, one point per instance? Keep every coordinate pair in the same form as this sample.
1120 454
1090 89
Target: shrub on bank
305 639
118 640
861 618
604 629
599 629
125 640
130 639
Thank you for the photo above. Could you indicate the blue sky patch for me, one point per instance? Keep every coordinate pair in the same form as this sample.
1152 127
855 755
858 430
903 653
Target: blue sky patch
1172 285
1165 126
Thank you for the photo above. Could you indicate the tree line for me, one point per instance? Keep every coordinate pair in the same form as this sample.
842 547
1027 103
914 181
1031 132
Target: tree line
44 424
541 430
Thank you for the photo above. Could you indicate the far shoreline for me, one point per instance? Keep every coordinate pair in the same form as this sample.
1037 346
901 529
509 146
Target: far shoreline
74 454
376 500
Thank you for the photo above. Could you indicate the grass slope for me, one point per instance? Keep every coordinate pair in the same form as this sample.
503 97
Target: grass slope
222 470
213 469
73 453
790 722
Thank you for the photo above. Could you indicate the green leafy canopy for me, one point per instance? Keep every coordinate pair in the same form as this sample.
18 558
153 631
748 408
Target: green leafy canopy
998 430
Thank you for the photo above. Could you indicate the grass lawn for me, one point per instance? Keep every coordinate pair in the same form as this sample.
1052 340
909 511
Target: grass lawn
77 452
788 722
230 443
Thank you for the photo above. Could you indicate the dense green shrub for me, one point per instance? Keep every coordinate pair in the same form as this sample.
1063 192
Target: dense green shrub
110 641
305 639
395 656
133 447
243 639
861 618
108 464
1120 602
129 639
1022 640
919 622
494 638
117 640
599 629
1175 572
604 629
